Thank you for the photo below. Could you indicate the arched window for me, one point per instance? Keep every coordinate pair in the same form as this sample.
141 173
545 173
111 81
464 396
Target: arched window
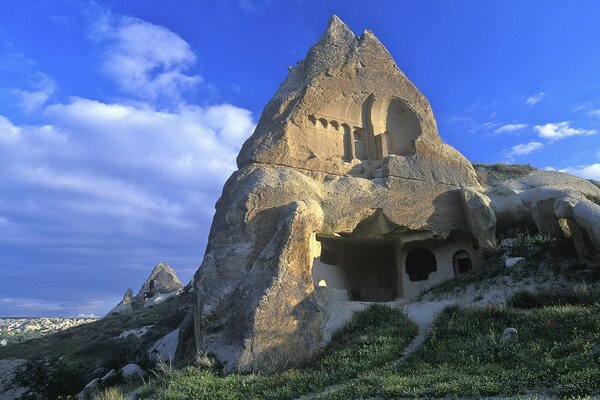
461 262
403 126
419 264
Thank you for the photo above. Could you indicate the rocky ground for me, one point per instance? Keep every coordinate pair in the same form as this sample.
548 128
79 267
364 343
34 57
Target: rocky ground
19 329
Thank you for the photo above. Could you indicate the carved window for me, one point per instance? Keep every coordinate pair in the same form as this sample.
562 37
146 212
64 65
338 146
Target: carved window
360 150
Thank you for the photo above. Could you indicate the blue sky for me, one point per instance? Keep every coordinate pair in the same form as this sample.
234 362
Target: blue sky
120 120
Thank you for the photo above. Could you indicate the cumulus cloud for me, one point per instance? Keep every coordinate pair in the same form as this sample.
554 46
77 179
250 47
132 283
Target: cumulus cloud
8 131
144 59
523 149
97 192
585 171
102 191
560 130
535 99
510 128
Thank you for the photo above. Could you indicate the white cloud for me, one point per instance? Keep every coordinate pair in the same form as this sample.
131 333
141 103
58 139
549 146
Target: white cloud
509 128
103 190
145 60
30 100
108 184
8 131
535 99
523 149
560 130
586 171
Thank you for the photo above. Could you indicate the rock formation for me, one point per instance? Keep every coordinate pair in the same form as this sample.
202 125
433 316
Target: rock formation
160 285
547 202
345 192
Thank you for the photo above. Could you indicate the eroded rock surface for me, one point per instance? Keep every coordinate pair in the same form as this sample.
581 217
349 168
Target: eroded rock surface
159 286
547 202
344 191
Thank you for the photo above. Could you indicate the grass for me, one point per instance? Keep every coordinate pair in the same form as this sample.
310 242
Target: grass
90 346
558 353
582 295
372 339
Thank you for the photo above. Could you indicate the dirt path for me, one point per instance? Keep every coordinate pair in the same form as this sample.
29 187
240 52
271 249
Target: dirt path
423 314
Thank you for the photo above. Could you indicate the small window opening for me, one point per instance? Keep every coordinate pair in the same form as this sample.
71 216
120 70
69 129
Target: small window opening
461 262
419 264
359 145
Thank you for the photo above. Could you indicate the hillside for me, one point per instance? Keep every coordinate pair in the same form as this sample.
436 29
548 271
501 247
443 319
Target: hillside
551 299
84 351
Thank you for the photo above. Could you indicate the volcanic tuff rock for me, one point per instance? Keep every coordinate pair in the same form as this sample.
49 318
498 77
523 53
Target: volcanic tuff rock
548 202
161 284
347 148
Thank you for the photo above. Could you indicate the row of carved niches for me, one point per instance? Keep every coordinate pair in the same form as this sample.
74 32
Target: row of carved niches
388 127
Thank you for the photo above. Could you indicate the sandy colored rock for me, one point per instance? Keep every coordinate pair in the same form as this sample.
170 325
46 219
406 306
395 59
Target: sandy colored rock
548 202
345 192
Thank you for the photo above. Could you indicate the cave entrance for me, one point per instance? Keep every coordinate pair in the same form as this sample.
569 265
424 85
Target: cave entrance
364 269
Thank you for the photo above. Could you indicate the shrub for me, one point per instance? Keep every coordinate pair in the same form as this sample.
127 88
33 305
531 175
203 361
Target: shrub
50 378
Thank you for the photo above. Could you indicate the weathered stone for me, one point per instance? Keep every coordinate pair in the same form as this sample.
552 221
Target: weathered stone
164 349
514 262
345 185
159 286
126 305
162 280
131 372
509 335
548 202
90 390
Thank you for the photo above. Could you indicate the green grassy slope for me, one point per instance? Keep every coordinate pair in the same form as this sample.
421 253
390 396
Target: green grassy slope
558 352
374 337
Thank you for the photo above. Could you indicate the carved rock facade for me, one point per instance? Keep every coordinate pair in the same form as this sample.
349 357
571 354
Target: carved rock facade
345 192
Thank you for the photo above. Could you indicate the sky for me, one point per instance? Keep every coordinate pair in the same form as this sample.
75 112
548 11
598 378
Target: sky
121 120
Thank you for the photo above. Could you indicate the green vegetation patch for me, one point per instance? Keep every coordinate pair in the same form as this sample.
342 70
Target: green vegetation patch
543 297
372 339
558 352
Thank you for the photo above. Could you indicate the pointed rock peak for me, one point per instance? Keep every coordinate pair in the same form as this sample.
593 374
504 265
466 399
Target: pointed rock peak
162 280
162 267
337 32
337 25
